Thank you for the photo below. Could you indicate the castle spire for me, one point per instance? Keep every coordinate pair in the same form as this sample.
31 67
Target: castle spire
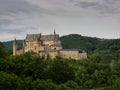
15 40
54 31
54 39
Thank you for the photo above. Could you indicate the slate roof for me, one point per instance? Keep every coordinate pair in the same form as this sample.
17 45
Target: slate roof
37 37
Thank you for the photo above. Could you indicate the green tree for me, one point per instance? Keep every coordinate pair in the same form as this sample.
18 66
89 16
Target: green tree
10 81
60 71
3 51
43 85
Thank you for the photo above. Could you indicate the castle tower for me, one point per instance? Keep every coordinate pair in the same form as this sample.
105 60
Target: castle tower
15 47
54 40
24 44
54 32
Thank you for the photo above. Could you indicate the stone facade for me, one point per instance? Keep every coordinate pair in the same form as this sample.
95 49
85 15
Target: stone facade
47 45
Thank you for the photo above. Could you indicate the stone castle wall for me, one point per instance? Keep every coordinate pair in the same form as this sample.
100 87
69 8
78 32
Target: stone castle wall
47 45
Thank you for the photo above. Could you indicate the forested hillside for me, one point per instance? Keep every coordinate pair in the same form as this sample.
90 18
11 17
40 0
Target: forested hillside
107 49
75 41
79 42
27 72
9 44
101 71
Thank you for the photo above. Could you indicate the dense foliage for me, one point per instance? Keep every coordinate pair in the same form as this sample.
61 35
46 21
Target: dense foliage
101 71
28 72
79 42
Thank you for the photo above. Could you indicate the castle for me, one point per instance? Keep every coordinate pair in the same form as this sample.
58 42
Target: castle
47 45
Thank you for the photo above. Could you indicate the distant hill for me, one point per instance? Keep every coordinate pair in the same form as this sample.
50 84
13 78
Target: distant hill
100 71
79 42
9 44
89 43
72 41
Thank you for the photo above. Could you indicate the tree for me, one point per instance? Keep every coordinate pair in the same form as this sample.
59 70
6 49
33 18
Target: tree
10 81
60 71
43 85
3 51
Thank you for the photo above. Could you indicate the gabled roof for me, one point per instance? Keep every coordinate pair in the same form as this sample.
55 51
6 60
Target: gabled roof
35 37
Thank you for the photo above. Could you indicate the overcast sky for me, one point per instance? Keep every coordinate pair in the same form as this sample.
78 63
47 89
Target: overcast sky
96 18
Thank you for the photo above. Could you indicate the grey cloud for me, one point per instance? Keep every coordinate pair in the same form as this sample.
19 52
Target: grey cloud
87 4
14 7
5 22
15 12
12 12
13 31
10 7
17 31
102 6
19 17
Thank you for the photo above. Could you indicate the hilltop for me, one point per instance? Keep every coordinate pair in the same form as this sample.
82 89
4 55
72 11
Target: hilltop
77 41
106 48
68 42
100 71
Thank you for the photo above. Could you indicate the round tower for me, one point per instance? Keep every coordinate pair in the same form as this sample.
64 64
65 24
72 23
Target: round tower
15 47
